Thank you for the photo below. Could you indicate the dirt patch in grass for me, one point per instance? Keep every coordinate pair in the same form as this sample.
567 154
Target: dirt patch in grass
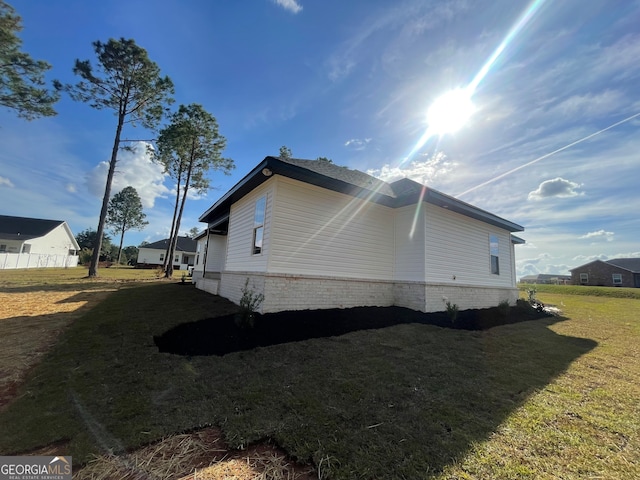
223 335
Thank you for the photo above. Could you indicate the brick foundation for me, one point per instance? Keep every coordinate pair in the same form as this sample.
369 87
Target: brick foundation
294 292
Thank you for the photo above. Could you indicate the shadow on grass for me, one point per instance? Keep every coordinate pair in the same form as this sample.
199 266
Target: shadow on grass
397 402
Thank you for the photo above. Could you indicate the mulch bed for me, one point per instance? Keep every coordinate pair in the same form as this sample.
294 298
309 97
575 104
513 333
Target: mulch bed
222 335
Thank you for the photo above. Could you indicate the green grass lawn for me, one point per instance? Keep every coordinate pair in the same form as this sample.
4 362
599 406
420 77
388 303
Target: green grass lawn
545 399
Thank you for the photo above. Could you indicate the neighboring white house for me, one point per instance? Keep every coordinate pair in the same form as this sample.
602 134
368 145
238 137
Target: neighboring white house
35 243
309 234
152 254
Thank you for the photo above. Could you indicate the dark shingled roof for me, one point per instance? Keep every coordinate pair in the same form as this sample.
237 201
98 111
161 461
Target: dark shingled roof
328 175
23 228
631 264
185 244
345 174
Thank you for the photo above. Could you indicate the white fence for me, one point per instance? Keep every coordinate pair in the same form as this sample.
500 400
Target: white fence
36 260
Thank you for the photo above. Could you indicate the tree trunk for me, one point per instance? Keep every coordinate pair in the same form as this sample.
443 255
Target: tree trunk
166 262
120 247
97 246
179 218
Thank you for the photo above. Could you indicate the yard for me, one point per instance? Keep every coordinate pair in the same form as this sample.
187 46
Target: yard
553 398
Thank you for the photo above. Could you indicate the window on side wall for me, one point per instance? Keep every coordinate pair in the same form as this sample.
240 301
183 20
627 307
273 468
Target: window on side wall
494 253
584 278
26 248
161 257
258 225
617 279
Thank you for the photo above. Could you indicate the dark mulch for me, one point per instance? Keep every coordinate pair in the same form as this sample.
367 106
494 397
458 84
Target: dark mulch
222 335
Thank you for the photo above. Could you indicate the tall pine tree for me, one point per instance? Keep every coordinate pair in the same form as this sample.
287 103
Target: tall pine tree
188 148
128 83
125 213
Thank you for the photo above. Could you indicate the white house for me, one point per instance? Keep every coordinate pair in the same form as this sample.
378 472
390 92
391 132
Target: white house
152 254
309 234
35 243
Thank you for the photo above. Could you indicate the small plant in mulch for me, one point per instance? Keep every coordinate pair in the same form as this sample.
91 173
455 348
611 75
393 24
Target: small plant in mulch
504 308
249 304
452 311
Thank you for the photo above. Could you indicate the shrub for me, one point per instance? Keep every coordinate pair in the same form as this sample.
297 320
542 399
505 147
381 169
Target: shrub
504 308
249 304
452 311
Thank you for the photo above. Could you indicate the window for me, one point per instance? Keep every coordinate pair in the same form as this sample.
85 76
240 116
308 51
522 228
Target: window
26 248
198 259
617 279
177 259
258 225
494 252
3 248
584 278
161 257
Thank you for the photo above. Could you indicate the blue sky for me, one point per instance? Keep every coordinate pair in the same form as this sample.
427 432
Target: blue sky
353 81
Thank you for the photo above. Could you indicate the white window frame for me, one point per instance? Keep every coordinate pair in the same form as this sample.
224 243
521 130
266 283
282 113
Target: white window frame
260 212
494 254
617 278
584 278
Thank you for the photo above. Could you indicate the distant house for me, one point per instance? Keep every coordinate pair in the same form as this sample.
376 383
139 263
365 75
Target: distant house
618 272
35 243
547 279
309 234
152 254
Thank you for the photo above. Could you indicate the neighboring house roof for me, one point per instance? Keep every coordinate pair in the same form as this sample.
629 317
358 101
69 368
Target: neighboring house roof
23 228
351 182
630 264
184 244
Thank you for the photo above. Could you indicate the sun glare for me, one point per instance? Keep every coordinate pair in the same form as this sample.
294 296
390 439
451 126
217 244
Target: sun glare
449 112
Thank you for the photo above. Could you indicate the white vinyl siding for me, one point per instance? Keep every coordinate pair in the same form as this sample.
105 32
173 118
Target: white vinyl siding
316 231
216 253
57 242
240 255
457 250
409 244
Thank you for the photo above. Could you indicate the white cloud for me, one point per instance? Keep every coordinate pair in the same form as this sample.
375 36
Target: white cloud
422 172
71 188
357 144
6 182
134 168
292 5
590 258
558 187
599 235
